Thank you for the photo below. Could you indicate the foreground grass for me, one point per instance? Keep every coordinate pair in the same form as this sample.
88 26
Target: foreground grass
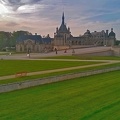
9 67
86 57
89 98
34 77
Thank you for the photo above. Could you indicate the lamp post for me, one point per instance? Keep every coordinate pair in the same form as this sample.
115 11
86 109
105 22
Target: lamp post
28 53
119 49
69 44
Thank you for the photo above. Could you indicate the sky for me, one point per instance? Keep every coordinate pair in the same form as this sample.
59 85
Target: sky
43 16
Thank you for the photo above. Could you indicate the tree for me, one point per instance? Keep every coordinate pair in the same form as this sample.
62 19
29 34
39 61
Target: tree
8 39
15 36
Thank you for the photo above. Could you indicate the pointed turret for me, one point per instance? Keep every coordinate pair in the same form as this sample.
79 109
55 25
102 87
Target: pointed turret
112 34
63 34
63 27
63 19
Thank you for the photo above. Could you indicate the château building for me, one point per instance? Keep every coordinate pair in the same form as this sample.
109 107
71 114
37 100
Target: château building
34 43
62 36
63 39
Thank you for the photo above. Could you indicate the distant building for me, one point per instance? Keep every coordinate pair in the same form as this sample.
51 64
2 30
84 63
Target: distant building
62 36
33 43
64 40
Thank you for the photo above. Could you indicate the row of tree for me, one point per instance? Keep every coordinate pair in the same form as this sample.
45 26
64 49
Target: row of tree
8 39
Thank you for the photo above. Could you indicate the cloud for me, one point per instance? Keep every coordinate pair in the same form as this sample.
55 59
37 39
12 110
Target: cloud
15 4
11 24
104 17
43 16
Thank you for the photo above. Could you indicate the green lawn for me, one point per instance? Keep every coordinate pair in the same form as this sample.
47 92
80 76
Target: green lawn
86 57
33 77
95 97
8 67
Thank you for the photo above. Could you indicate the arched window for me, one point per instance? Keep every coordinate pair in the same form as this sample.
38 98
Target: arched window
79 43
72 43
65 38
76 42
20 49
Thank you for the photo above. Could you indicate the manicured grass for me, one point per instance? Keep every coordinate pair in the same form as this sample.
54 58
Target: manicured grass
8 67
86 57
33 77
89 98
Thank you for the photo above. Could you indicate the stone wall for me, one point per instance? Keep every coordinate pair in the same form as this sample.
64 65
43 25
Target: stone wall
37 82
101 53
116 50
61 47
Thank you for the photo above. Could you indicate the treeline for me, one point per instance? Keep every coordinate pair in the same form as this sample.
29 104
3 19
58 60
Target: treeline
8 39
117 42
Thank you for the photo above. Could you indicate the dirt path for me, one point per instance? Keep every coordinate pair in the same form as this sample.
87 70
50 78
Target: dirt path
107 62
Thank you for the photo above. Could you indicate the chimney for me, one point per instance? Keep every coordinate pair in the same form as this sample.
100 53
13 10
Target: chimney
111 29
106 33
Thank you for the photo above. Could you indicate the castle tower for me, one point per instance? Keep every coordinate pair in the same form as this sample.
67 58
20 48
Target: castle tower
111 38
63 34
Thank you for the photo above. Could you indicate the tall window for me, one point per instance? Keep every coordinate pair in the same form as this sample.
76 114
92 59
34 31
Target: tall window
65 38
20 49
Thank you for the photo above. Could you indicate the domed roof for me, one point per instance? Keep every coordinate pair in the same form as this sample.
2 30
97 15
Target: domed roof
112 33
87 33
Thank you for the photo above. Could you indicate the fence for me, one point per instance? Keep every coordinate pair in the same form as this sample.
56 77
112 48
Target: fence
31 83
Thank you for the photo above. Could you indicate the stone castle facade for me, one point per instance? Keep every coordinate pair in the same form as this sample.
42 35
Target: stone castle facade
63 39
34 43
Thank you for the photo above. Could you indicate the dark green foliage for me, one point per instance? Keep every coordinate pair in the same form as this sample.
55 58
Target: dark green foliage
117 42
8 39
4 40
15 35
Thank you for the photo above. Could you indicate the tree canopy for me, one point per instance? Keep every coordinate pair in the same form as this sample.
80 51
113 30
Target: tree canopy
8 39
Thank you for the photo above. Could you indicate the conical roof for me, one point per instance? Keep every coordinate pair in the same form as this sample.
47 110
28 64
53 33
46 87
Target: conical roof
112 33
63 27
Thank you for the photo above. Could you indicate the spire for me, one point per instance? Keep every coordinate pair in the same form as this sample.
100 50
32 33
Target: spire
111 29
63 19
63 27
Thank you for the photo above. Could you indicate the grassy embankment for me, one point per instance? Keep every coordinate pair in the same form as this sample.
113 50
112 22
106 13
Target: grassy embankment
33 77
85 57
89 98
13 66
9 67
